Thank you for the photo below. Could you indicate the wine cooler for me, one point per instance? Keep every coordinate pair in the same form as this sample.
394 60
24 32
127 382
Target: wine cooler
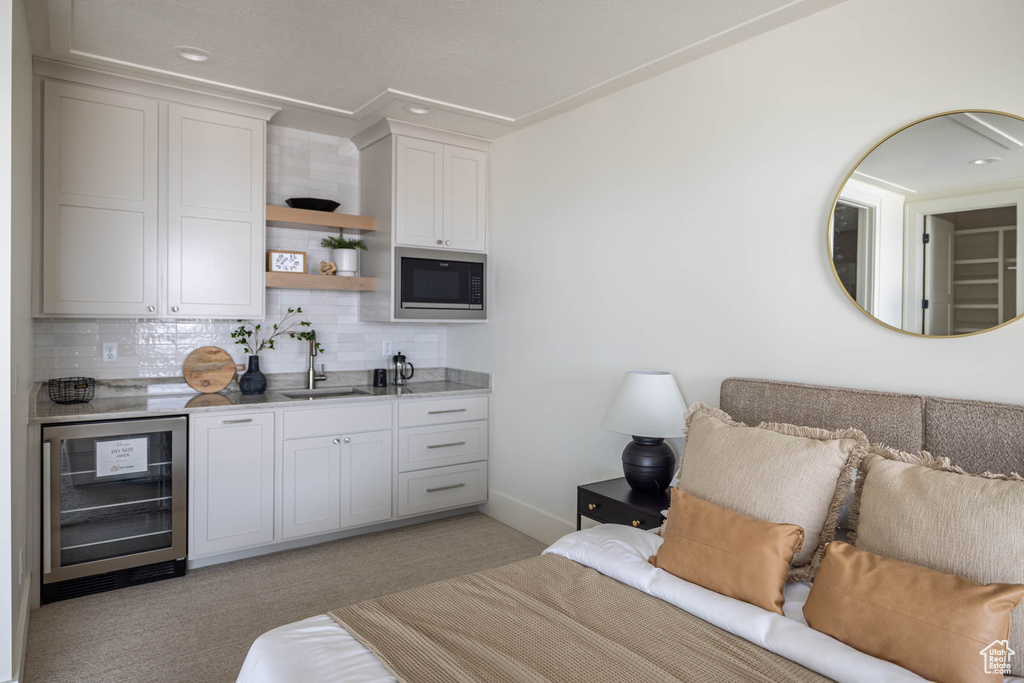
114 508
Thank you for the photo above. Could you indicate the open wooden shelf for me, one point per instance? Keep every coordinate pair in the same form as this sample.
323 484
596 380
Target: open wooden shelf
331 282
319 220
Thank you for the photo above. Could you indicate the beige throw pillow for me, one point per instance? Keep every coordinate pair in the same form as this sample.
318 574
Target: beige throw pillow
933 623
921 509
729 553
778 473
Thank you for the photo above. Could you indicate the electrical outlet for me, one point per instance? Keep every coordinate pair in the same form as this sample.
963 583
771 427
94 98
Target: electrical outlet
109 352
386 348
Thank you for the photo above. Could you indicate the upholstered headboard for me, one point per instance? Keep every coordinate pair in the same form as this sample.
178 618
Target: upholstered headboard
978 436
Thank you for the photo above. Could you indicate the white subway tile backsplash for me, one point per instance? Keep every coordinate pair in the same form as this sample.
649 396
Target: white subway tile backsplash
299 164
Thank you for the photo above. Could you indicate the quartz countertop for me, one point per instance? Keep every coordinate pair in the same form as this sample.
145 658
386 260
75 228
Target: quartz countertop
44 411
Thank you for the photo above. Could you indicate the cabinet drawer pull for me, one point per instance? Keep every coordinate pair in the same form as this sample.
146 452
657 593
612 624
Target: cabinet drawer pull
235 422
438 412
592 506
636 522
445 488
150 308
447 445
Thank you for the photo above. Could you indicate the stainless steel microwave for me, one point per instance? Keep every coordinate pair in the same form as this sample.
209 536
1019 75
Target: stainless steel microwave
432 284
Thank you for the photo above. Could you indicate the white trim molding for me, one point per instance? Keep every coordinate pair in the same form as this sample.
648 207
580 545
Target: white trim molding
386 127
524 517
62 71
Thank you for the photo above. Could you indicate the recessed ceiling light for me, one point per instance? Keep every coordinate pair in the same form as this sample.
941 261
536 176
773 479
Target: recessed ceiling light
982 162
417 109
193 54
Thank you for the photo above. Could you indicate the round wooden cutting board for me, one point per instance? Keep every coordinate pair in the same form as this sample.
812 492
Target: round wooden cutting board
210 369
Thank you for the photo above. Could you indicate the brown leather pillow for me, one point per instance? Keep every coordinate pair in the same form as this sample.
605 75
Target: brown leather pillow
937 625
728 552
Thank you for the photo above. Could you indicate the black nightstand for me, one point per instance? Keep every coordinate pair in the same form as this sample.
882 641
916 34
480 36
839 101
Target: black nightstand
614 502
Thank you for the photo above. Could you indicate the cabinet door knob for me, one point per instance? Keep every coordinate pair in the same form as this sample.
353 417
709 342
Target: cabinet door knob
348 440
150 308
174 309
592 506
439 242
636 522
448 243
337 441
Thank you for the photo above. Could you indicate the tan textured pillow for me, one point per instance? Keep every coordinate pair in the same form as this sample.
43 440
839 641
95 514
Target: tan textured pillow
923 510
934 624
729 553
775 472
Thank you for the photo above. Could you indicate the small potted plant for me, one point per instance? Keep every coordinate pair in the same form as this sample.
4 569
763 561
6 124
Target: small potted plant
344 253
254 339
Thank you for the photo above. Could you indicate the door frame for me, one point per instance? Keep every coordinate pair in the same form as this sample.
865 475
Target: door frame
867 245
914 214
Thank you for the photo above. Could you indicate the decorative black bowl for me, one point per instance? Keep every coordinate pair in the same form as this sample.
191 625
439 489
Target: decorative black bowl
312 204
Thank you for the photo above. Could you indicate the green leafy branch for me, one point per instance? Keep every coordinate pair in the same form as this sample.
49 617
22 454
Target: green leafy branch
254 338
341 242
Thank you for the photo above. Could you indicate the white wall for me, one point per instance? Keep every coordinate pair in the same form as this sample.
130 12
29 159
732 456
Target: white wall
681 225
15 242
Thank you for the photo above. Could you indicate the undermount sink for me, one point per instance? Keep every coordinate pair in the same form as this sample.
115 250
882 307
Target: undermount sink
327 392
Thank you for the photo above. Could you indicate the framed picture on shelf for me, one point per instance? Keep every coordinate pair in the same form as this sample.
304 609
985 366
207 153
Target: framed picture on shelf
279 261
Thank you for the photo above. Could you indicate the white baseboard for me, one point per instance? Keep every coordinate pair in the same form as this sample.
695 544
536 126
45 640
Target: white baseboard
21 629
524 517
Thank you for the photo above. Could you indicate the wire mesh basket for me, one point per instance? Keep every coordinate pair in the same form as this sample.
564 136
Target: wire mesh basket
72 389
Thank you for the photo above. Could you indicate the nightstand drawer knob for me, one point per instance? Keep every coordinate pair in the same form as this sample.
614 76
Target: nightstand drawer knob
592 506
636 522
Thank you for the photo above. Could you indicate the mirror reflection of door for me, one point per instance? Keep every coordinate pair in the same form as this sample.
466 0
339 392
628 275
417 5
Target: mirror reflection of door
853 250
849 222
970 270
938 276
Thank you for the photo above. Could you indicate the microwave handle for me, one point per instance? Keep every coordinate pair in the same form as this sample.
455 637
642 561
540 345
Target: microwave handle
47 559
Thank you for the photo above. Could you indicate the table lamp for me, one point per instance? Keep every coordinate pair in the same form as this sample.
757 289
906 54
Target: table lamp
649 407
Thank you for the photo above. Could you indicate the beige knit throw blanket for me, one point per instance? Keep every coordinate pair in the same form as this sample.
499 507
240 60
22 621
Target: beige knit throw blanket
551 619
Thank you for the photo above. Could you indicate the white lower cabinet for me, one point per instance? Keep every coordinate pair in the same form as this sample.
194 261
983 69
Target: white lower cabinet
441 487
231 482
314 470
331 483
311 486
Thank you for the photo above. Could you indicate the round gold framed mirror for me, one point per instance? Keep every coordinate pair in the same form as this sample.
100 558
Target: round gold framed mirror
923 234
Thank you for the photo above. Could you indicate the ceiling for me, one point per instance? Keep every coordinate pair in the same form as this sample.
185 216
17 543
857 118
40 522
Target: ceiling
484 67
935 155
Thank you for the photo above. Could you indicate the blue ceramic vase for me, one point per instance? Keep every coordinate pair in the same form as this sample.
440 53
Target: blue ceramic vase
253 381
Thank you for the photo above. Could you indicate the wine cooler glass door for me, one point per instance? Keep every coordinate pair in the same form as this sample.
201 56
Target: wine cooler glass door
115 496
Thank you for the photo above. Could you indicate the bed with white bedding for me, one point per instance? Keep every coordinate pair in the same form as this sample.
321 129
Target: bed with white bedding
319 649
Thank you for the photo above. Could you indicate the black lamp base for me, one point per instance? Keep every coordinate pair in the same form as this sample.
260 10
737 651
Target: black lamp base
649 464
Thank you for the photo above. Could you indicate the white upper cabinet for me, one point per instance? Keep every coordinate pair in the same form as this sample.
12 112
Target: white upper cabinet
419 193
215 222
440 195
100 201
465 188
151 207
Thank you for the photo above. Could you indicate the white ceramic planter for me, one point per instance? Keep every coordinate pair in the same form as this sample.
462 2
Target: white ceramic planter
347 261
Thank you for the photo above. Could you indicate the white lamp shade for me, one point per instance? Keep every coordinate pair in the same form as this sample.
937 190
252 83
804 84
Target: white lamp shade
647 404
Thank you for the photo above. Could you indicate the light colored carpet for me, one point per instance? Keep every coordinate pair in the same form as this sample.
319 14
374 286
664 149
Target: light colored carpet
198 628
